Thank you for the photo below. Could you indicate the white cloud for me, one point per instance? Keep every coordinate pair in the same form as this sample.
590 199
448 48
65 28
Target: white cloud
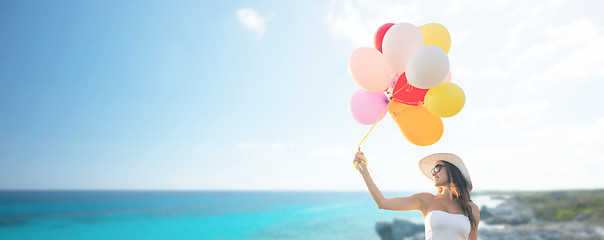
563 52
511 167
547 6
252 20
246 146
332 151
264 146
510 117
578 138
358 20
455 6
573 34
264 150
571 153
585 62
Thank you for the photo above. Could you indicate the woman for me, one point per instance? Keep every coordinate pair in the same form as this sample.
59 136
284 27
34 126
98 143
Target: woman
450 214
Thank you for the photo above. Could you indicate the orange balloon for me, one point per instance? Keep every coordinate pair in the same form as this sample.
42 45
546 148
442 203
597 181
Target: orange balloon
395 108
419 126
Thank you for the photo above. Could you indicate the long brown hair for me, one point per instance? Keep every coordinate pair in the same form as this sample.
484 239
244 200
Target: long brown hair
461 193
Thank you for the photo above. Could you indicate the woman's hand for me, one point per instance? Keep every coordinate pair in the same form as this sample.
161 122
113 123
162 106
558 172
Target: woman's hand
360 162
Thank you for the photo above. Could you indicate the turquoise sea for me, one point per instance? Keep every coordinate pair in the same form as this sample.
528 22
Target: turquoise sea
192 215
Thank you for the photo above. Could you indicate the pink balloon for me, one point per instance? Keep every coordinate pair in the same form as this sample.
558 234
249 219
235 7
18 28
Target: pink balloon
448 78
369 69
366 107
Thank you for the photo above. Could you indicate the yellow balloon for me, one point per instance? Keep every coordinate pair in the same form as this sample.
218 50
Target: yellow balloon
445 100
419 126
437 35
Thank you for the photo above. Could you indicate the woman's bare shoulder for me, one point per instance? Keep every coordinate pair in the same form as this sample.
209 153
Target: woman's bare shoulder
426 200
424 196
475 208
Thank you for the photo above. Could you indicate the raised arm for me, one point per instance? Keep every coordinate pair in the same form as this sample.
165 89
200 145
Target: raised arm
414 202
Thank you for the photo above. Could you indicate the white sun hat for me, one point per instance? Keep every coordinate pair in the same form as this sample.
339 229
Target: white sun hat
427 163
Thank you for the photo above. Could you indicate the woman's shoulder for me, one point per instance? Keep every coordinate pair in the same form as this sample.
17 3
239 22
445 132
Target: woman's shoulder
424 196
426 199
475 208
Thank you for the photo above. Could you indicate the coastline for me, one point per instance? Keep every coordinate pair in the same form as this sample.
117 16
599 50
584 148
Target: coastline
564 214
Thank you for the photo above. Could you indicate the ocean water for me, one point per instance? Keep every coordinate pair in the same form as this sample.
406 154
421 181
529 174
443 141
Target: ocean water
192 215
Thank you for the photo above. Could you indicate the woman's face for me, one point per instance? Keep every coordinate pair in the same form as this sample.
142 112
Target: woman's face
439 174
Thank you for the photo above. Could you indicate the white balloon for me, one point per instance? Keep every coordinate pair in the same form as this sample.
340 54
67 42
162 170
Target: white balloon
399 42
427 67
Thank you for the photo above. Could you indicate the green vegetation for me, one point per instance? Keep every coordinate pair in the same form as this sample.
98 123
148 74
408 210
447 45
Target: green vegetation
564 206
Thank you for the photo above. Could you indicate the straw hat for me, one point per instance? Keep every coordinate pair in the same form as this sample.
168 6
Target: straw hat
427 163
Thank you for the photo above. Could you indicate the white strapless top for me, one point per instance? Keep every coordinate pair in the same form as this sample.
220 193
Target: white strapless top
446 226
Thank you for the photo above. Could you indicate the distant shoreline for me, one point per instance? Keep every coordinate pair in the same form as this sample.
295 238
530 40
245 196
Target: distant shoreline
548 214
476 192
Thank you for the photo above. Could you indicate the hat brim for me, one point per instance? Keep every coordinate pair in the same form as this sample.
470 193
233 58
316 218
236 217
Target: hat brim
427 163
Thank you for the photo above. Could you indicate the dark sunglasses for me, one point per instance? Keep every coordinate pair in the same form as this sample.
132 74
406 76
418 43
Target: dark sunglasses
437 168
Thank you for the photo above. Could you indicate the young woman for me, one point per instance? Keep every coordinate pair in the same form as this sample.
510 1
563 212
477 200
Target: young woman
450 214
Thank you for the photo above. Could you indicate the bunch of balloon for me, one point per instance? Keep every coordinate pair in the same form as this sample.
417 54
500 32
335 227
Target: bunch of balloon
406 74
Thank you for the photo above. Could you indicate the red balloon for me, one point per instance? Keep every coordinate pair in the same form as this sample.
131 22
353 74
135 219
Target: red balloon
379 35
403 92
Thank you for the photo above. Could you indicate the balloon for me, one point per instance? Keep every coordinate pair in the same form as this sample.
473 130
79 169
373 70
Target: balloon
369 69
394 108
448 78
427 67
419 126
379 36
399 42
405 93
437 35
445 100
366 107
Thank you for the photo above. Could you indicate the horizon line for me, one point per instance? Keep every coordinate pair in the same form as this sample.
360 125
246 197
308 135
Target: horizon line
485 191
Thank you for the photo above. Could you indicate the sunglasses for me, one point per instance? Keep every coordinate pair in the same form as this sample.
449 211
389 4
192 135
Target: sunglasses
437 168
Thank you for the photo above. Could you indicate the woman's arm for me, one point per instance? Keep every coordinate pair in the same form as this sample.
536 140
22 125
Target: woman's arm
415 202
476 212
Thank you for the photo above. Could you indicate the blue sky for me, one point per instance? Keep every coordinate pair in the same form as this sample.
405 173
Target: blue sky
254 95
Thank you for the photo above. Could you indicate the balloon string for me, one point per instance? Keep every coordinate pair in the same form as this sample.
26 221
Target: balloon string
364 162
382 115
420 103
376 121
383 112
